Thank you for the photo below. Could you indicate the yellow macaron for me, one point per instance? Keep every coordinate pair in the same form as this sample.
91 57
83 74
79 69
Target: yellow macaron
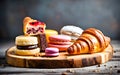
50 32
26 45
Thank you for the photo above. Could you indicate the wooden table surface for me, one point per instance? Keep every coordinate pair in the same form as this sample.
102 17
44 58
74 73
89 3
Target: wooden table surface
112 67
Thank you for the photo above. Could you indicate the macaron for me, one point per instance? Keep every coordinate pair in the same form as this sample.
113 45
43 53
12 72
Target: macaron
62 42
60 47
52 52
50 32
73 31
60 39
26 45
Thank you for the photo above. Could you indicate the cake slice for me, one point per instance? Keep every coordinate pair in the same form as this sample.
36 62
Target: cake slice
33 27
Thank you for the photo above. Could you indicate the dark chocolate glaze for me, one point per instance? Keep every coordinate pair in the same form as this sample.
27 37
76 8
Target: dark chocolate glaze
27 47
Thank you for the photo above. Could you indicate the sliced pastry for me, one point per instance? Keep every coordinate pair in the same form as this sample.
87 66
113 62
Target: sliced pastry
33 27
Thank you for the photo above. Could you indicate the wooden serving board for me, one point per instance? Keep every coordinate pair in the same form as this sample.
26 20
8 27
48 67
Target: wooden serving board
62 61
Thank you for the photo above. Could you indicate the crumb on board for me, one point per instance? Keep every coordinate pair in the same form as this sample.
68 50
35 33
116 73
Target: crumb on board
37 55
70 70
96 71
64 73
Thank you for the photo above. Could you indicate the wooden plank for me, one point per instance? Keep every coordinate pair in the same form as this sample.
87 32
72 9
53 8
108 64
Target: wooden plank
62 61
103 68
112 67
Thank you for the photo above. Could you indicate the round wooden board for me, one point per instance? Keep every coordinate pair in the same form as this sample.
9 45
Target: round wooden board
62 61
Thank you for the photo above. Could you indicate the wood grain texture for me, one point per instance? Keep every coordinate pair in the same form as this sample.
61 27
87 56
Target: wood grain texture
62 61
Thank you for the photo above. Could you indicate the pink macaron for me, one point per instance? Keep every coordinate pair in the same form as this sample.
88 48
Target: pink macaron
51 51
60 39
61 48
62 42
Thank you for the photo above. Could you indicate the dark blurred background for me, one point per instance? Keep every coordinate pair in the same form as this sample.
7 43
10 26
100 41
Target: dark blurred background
101 14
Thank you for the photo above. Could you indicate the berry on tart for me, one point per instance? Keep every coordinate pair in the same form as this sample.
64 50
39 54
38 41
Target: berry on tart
33 27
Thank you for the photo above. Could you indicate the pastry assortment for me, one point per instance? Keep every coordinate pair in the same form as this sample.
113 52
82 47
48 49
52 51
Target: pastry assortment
71 47
33 41
72 39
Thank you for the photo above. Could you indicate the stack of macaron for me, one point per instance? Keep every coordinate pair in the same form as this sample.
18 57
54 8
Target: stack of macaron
62 42
68 34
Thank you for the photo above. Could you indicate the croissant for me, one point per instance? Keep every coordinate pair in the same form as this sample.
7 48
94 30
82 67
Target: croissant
91 40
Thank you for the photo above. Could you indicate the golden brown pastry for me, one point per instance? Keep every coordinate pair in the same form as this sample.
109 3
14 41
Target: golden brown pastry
33 27
91 41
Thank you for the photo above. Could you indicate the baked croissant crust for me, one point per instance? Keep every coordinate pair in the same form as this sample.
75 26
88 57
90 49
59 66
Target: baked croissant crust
33 27
91 41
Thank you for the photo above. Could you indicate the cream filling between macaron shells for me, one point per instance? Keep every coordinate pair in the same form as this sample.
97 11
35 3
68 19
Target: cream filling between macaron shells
26 42
27 47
